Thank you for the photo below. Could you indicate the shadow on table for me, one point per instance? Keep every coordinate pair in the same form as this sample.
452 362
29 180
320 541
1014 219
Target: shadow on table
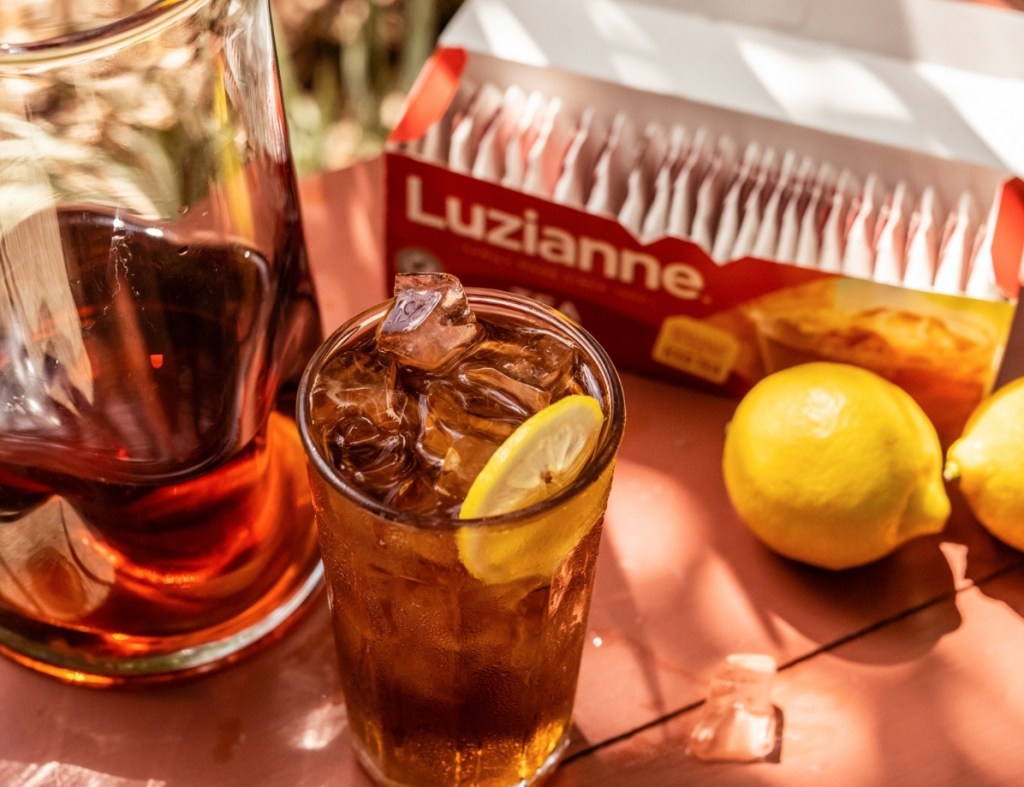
682 582
836 607
993 567
276 719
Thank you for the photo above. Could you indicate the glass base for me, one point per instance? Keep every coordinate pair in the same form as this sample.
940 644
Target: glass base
213 649
546 769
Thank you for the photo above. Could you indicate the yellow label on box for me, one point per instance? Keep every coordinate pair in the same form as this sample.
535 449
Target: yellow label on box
696 348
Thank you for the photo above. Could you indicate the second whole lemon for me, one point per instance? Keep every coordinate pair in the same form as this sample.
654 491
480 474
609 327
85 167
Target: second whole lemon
831 465
988 463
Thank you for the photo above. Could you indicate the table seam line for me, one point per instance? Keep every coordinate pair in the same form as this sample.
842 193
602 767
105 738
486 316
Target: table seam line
970 584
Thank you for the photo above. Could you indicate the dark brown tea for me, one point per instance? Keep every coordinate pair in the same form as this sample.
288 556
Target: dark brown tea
459 645
145 498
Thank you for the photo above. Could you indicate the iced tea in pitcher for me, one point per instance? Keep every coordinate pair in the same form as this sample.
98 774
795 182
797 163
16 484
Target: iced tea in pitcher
459 617
156 311
152 502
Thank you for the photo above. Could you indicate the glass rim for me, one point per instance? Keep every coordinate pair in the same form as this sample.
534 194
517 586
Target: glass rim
137 24
604 455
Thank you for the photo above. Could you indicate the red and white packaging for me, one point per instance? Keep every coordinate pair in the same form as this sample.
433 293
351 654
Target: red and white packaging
719 189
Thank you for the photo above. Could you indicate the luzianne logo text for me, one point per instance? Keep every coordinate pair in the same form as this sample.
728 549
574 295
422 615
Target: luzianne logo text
524 234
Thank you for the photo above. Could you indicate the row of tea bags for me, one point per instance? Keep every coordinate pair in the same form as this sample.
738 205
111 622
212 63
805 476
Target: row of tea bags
734 201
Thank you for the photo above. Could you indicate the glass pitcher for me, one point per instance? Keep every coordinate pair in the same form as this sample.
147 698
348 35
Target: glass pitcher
156 309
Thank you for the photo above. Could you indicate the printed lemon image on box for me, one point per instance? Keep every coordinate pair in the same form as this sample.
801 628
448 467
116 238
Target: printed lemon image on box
943 351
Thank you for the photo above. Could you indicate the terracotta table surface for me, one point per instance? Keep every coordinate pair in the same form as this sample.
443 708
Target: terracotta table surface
903 672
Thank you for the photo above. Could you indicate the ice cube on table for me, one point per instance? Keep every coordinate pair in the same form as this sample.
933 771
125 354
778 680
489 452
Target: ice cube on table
430 321
737 723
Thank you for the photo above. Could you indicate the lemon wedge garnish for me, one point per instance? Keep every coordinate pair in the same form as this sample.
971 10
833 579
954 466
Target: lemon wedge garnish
539 459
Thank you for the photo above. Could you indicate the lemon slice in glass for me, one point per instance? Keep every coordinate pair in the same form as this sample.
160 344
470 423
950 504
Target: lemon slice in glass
538 460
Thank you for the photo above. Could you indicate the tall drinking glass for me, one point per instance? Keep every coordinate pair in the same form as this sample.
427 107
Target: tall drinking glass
155 307
459 640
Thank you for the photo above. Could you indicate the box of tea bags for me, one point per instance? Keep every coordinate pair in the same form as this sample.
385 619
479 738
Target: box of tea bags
717 190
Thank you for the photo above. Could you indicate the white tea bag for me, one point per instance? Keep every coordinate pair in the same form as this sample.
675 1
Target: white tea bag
631 214
750 224
489 163
921 244
640 182
729 218
952 265
521 141
809 243
799 239
981 276
892 238
432 146
612 168
767 241
682 203
655 223
578 169
800 198
858 255
708 202
545 158
599 200
471 126
830 247
653 152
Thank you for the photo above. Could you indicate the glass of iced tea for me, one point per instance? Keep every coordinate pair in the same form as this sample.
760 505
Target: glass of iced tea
459 638
156 311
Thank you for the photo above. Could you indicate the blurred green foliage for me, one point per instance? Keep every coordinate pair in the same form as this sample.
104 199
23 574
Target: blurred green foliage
346 67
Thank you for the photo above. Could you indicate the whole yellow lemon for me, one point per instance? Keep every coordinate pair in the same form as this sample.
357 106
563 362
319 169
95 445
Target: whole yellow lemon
832 465
988 461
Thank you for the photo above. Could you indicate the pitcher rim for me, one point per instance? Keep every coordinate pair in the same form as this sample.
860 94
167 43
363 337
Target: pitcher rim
136 25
